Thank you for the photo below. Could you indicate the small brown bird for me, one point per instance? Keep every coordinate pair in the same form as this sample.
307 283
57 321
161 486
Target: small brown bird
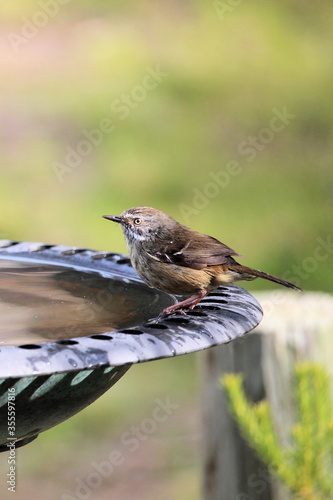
175 259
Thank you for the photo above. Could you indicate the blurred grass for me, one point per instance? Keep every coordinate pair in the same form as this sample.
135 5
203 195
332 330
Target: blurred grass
225 77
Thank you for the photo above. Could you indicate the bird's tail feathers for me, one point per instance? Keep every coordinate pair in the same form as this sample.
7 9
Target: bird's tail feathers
248 273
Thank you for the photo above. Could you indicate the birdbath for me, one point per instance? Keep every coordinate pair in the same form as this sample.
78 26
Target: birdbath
73 321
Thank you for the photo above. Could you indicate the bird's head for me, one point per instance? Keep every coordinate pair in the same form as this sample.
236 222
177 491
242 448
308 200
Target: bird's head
143 223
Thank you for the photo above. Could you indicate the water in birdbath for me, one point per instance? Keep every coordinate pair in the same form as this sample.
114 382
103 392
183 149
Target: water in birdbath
41 302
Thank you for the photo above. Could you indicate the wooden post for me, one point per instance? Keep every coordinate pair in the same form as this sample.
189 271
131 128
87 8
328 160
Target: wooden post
296 327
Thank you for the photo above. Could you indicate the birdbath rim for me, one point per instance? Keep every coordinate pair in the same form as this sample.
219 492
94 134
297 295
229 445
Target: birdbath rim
225 314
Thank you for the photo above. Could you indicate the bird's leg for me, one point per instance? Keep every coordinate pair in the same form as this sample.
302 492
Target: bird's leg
189 303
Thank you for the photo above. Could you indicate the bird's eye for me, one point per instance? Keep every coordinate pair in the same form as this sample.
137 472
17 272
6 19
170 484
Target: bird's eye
137 221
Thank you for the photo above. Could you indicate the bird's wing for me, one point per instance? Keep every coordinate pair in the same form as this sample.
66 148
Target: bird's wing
194 250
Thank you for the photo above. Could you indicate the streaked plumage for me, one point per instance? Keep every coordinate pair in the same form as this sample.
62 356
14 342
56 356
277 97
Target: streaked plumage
175 259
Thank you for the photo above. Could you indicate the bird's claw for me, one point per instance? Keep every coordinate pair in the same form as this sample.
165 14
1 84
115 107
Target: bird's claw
167 312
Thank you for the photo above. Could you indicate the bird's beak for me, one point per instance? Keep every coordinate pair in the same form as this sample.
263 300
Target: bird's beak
114 218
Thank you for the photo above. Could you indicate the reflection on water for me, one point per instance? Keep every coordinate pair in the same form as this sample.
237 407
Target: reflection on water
42 302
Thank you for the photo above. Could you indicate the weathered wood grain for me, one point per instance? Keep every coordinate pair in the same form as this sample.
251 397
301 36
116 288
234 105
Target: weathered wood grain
295 327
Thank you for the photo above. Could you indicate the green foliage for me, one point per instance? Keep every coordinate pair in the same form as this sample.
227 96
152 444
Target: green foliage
224 78
306 466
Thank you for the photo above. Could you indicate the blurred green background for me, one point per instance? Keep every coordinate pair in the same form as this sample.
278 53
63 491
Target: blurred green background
223 76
